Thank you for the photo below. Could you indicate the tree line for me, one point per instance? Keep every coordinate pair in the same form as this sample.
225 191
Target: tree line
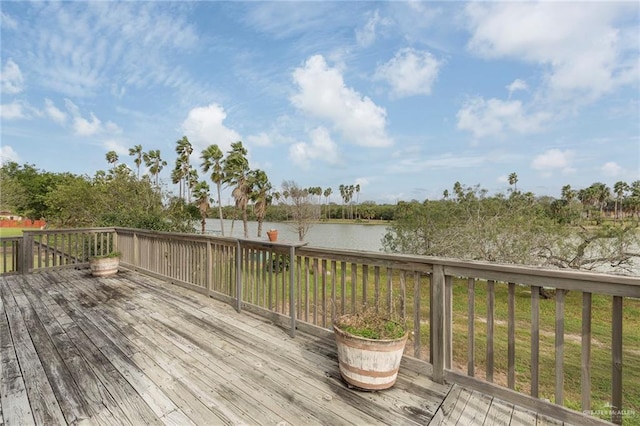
582 230
466 222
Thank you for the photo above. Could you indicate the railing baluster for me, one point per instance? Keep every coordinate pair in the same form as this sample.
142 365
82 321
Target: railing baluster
471 320
416 315
403 293
535 339
343 285
616 360
389 289
585 371
365 283
559 342
490 313
448 321
299 285
324 292
316 272
333 290
376 280
511 336
307 289
354 288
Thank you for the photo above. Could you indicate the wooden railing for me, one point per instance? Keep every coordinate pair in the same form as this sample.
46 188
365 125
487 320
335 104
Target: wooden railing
487 326
10 255
54 248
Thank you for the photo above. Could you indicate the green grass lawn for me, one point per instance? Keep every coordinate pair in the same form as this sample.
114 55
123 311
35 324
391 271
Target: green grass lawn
11 232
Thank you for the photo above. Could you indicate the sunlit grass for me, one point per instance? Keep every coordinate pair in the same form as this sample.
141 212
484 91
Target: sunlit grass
11 232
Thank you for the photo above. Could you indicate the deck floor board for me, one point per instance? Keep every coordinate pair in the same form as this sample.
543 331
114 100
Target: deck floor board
131 349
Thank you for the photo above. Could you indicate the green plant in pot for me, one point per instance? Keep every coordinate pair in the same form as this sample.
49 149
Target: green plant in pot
105 264
370 347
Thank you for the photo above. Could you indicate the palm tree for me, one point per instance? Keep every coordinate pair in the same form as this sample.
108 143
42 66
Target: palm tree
513 180
177 177
236 168
202 196
634 199
112 157
184 150
602 194
619 188
349 192
211 160
192 181
357 188
260 195
154 162
327 194
458 190
568 194
136 152
343 192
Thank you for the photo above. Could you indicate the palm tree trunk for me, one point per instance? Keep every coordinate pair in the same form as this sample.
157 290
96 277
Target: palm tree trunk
220 210
245 223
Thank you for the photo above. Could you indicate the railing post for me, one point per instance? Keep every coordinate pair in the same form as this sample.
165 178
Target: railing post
27 253
438 323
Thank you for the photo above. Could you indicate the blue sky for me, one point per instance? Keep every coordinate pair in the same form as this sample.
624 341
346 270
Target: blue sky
403 98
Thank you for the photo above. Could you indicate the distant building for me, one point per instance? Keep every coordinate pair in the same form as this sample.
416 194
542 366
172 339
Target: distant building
10 216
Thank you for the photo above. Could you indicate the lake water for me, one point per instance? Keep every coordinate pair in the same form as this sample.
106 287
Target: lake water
330 235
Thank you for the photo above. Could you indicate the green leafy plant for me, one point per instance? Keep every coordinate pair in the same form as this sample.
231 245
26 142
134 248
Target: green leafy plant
109 255
373 324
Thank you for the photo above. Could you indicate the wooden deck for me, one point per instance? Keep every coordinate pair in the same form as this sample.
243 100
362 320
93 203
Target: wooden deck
135 350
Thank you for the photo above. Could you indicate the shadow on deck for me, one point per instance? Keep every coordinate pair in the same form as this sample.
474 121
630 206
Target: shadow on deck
135 350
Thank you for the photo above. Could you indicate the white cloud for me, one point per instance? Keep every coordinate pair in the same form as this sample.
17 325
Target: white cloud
321 148
82 126
53 112
323 94
8 154
410 72
87 126
584 52
366 35
204 126
13 111
494 117
553 160
82 48
261 139
516 85
118 147
11 78
8 22
611 169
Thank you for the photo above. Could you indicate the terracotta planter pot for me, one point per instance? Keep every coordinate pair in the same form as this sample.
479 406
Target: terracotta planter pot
369 364
273 235
104 266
